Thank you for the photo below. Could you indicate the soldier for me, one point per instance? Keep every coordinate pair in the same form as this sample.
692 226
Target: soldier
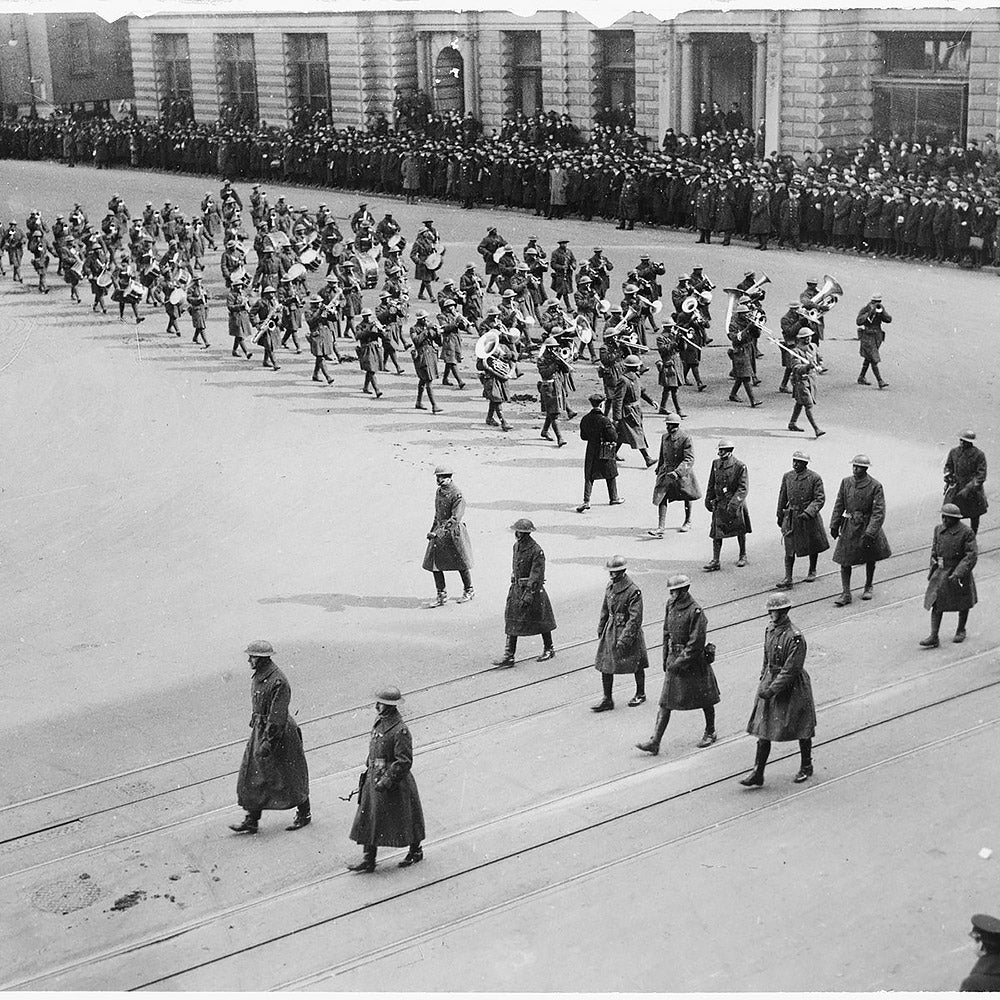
950 583
804 382
675 479
426 342
728 485
600 270
448 546
552 389
240 326
964 475
784 709
800 499
599 461
741 354
389 810
704 212
362 218
985 975
369 337
690 682
488 245
856 524
528 610
870 333
563 264
667 344
629 423
274 773
760 215
621 647
197 300
12 240
424 245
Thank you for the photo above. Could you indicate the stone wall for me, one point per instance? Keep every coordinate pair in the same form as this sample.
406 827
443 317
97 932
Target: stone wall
984 70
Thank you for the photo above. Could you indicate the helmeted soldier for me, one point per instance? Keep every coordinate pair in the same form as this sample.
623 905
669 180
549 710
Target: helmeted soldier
621 646
964 475
800 500
728 485
856 524
803 370
690 681
950 583
448 545
784 709
871 335
528 610
675 479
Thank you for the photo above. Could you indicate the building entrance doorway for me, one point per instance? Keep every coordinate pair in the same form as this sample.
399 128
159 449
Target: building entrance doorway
724 72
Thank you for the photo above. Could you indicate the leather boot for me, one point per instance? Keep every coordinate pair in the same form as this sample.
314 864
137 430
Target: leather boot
249 825
652 745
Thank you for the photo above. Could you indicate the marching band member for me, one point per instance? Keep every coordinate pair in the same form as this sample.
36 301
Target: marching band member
471 287
72 268
125 294
390 315
804 382
369 336
426 339
629 424
267 312
291 302
94 265
667 344
552 389
452 326
488 246
240 326
197 301
562 265
423 246
741 355
870 333
494 371
320 335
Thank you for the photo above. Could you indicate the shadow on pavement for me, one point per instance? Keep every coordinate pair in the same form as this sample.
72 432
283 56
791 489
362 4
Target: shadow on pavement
339 602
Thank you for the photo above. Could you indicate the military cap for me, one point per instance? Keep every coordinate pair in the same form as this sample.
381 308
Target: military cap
800 456
811 281
389 696
951 510
876 298
986 926
443 470
312 298
470 267
428 222
742 308
616 563
492 311
697 268
678 581
268 289
368 312
777 601
671 418
632 361
630 289
862 460
509 294
644 256
804 334
726 445
522 524
596 399
562 242
585 280
969 436
598 250
260 647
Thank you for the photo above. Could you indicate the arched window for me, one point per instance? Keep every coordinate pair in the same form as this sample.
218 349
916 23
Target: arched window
449 81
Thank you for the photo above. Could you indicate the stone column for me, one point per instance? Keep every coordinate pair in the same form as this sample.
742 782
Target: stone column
686 83
759 76
666 91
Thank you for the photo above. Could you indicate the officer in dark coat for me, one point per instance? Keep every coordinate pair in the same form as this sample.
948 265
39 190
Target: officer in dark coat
985 975
599 461
728 485
273 774
784 709
528 610
872 336
448 545
950 583
856 524
690 681
800 499
389 811
621 646
675 479
964 475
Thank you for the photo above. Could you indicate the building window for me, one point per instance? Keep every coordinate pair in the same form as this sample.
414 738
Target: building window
309 72
618 68
237 76
908 54
81 53
173 66
526 60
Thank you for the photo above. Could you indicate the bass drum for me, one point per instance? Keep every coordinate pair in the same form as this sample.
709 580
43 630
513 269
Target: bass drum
365 269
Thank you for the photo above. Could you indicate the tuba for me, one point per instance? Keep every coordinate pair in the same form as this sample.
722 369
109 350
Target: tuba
734 295
827 295
757 285
690 304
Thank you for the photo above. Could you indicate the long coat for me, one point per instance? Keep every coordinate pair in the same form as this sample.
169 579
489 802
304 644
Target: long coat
596 429
450 548
950 583
871 334
788 712
273 774
621 647
728 485
984 977
800 499
239 318
760 214
528 610
675 479
965 468
858 515
426 341
389 811
690 681
629 427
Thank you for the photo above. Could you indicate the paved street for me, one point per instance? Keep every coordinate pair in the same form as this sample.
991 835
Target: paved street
164 505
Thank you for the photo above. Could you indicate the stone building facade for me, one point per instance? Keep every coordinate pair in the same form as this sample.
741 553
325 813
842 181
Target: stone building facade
815 78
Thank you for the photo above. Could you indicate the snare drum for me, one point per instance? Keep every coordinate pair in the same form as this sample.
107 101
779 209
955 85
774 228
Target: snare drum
366 270
104 280
309 258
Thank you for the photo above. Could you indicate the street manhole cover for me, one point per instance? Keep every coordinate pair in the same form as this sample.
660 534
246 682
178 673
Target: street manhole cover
66 895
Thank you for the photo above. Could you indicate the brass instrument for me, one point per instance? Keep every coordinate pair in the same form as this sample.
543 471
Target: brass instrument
757 285
690 304
829 290
497 367
734 299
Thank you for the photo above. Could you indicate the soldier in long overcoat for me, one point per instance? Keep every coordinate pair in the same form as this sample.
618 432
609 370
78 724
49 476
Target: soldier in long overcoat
621 646
240 326
389 810
800 499
197 301
728 485
760 216
964 476
629 425
871 335
528 610
426 338
675 479
856 524
690 680
599 460
950 583
274 774
448 546
784 709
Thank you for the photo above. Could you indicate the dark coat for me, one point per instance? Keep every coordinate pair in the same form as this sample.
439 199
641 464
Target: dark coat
690 682
389 811
528 610
629 427
273 774
965 470
784 709
800 499
675 479
621 647
870 332
985 976
950 583
728 485
450 548
596 428
856 522
760 214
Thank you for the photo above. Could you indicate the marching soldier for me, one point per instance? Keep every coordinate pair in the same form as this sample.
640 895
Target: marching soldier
369 335
362 218
728 485
784 709
12 240
448 546
791 323
800 499
389 810
629 423
675 479
870 333
452 327
741 355
856 524
804 382
600 269
950 583
985 975
599 461
320 335
240 326
667 343
494 372
621 647
690 681
197 300
552 389
423 246
488 246
528 610
563 264
426 341
274 773
964 475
